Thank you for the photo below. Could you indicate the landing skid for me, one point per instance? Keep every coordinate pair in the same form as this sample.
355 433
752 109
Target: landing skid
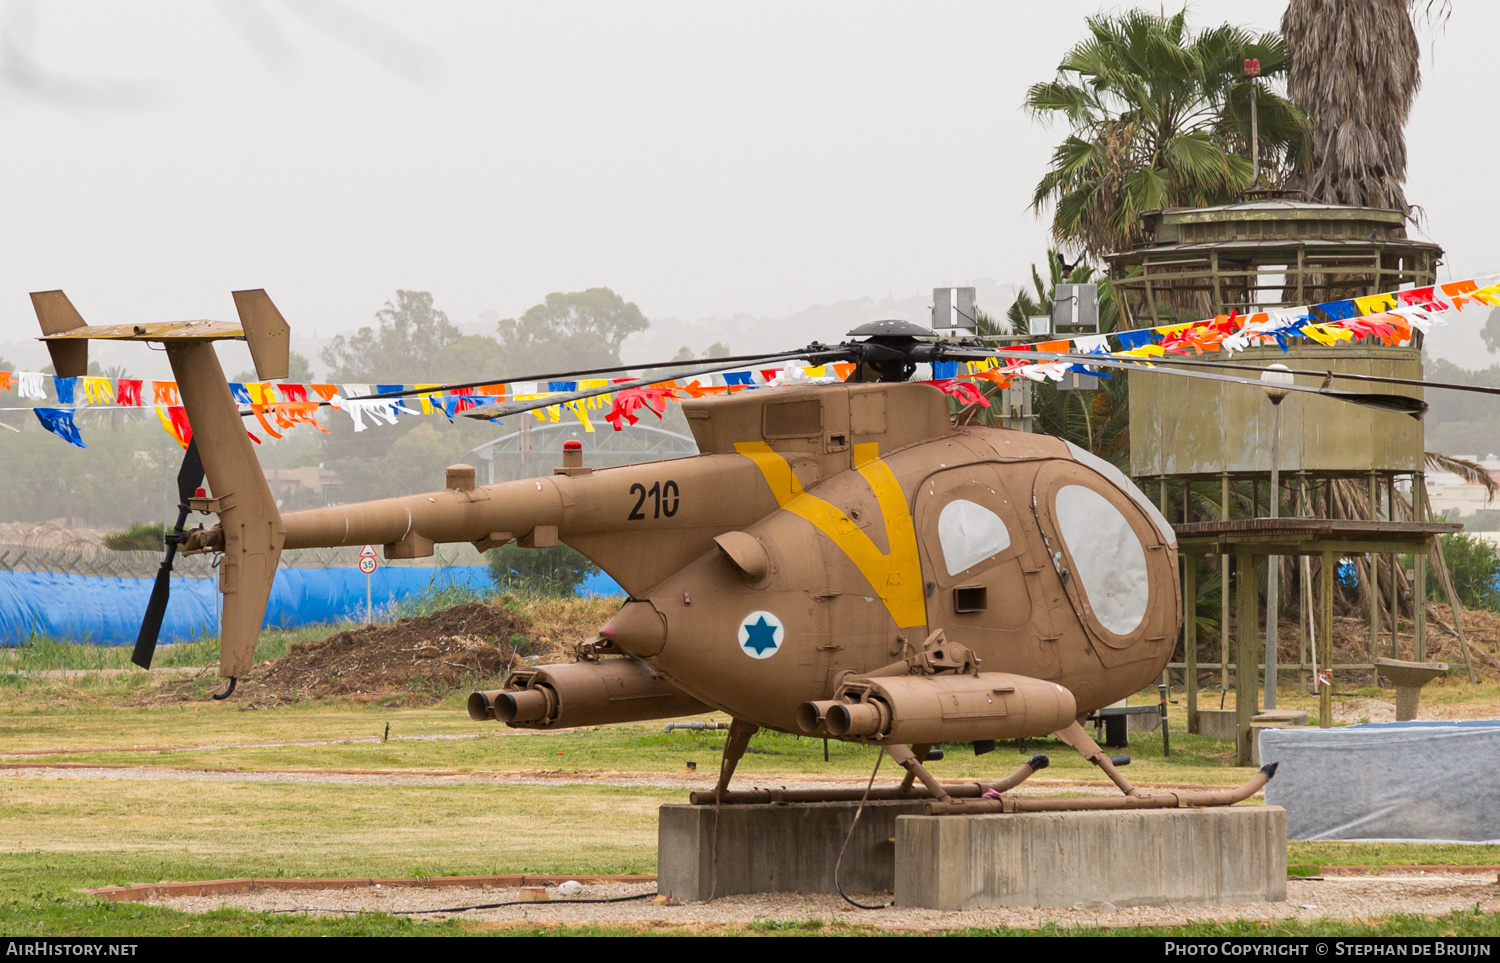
959 798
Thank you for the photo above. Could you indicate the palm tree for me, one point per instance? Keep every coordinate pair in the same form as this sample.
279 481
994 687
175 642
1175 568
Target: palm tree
1158 118
1353 70
1098 420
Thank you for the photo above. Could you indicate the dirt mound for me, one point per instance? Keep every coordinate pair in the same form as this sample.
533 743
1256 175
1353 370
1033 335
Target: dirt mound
422 660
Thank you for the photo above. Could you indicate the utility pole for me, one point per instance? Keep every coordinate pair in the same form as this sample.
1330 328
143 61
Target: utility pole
1274 380
1252 70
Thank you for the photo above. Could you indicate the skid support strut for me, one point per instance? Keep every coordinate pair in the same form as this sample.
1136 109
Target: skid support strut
1077 737
734 749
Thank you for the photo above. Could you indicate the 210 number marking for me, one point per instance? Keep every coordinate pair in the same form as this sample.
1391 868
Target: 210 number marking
664 500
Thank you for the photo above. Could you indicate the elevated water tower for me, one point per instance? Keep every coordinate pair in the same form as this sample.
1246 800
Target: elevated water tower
1192 442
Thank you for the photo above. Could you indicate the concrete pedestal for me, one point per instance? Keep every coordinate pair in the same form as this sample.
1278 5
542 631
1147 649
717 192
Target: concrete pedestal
1148 857
789 848
1178 857
1217 724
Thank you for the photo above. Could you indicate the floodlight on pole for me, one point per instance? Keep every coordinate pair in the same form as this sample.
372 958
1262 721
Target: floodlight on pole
1276 382
1273 380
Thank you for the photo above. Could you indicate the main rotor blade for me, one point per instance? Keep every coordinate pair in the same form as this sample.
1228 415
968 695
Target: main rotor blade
733 361
503 409
1397 403
1084 358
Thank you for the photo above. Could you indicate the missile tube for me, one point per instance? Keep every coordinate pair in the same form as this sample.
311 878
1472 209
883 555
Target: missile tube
949 707
583 694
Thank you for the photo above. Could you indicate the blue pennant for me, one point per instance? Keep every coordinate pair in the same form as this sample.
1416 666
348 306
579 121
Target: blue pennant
65 389
1138 338
59 421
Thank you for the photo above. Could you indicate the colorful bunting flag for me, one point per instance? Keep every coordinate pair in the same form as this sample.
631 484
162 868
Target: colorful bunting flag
59 421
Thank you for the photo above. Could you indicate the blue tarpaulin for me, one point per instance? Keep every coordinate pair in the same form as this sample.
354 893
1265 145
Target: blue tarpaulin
107 611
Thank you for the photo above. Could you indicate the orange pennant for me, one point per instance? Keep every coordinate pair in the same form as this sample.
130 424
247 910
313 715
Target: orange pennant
260 415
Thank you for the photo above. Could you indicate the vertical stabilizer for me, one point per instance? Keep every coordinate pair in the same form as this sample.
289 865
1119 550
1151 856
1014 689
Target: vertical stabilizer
253 530
70 359
267 333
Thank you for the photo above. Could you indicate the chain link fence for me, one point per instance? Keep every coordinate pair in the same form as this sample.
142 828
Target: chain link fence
93 560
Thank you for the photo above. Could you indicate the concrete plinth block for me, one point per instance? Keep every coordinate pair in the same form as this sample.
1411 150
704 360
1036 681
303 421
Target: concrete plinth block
777 848
1217 724
1146 857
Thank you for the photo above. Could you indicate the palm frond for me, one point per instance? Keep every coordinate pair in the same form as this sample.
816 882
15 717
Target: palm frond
1471 472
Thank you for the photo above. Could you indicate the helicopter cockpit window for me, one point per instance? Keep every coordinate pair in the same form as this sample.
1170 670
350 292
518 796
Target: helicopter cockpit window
1107 557
969 534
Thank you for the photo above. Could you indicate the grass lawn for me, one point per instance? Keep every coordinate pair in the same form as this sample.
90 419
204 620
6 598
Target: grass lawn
60 833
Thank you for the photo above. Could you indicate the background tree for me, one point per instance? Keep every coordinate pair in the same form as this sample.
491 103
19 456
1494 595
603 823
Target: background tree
298 371
1157 115
556 571
1353 70
579 330
410 331
470 358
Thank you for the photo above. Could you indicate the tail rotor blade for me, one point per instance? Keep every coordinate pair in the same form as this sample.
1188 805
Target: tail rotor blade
156 610
189 476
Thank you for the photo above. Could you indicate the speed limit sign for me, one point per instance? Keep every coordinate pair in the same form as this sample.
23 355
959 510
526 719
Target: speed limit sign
367 565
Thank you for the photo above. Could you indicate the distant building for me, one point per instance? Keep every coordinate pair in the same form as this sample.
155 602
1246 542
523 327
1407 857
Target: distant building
303 486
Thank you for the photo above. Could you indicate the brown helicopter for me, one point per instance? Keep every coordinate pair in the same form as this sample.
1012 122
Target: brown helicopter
838 561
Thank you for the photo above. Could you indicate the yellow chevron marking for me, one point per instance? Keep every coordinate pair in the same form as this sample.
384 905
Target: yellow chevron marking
895 576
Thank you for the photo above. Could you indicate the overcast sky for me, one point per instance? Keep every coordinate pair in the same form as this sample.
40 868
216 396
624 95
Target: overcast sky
698 158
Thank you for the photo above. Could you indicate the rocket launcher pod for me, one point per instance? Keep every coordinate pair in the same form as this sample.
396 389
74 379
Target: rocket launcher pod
949 707
583 694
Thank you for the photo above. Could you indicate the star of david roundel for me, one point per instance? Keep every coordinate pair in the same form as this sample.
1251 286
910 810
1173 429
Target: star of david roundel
761 635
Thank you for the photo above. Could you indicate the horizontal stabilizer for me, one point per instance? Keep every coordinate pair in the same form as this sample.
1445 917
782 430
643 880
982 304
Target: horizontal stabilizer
152 331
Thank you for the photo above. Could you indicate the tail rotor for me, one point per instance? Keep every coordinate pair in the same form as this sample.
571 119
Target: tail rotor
189 479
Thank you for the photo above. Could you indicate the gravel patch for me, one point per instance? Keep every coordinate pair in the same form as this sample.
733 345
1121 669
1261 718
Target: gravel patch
1356 897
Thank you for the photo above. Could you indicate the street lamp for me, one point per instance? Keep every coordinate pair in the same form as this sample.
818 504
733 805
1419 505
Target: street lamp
1275 381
